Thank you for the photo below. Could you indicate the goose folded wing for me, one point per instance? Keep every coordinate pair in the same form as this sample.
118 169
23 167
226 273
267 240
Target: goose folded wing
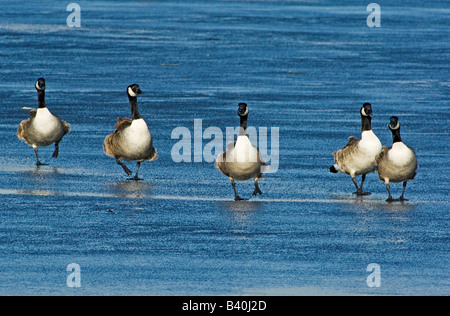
122 123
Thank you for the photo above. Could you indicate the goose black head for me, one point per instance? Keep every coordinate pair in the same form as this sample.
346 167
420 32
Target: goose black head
366 110
394 124
40 84
134 90
243 109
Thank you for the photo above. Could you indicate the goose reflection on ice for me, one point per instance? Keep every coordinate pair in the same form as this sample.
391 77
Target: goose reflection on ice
241 211
129 188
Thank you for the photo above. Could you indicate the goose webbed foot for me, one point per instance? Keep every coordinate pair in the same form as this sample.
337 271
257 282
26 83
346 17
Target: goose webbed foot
238 198
361 193
38 164
135 178
400 199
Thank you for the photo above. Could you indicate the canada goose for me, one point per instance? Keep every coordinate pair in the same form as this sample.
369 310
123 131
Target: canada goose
42 128
358 156
241 160
132 140
397 163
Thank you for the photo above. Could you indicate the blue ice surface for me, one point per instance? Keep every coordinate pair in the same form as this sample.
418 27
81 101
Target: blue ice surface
304 67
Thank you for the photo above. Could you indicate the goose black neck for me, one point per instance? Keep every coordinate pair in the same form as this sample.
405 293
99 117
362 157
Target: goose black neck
243 130
396 138
366 123
41 98
134 108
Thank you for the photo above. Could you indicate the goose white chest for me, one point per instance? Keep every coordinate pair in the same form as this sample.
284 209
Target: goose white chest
244 151
46 128
137 137
370 145
242 160
400 154
45 122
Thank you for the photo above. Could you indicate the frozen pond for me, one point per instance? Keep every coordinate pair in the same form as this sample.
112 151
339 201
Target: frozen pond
305 67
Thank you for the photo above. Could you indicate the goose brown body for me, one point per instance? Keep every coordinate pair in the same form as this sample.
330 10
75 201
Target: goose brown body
358 156
131 139
242 160
397 163
42 128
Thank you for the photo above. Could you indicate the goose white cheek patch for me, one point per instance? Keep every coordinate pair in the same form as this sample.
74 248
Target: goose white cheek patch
131 92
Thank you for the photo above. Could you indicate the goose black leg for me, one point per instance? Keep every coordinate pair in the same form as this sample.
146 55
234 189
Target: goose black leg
356 184
236 196
127 171
38 162
257 190
389 199
359 190
136 177
56 152
402 198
